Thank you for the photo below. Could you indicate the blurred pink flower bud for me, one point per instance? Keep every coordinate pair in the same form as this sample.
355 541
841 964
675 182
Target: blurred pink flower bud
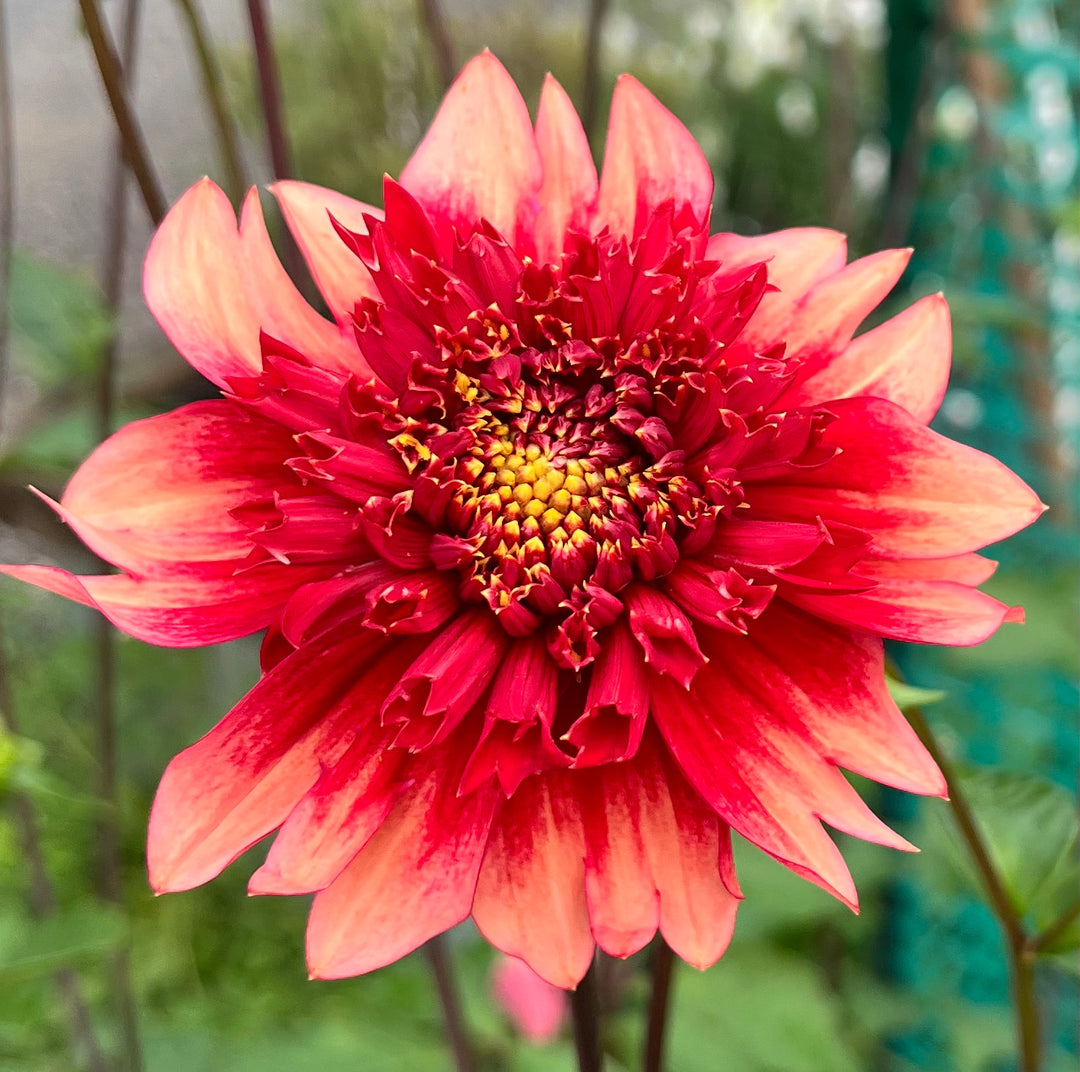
535 1007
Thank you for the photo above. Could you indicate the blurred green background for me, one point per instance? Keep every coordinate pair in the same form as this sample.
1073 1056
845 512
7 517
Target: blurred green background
948 126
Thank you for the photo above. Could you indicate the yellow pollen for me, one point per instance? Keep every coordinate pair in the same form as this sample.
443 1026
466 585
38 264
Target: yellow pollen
575 485
523 493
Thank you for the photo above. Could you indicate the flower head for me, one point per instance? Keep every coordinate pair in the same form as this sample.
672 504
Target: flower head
575 536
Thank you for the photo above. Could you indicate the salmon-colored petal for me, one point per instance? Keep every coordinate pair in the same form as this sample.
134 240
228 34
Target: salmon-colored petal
479 158
925 612
918 494
797 258
905 360
650 158
340 275
567 196
228 790
284 314
414 879
654 857
534 870
156 495
186 609
970 569
832 688
825 319
195 282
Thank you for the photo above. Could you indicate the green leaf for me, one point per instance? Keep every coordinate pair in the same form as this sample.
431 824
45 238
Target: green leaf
906 696
1031 830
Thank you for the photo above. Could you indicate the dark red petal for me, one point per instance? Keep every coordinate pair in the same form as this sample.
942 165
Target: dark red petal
242 779
567 196
905 360
479 158
340 275
650 158
530 899
414 879
918 494
156 496
182 611
664 632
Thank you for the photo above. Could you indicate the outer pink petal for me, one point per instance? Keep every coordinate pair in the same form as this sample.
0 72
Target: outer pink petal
338 272
567 195
284 314
195 282
926 612
797 259
918 494
831 686
157 494
969 569
414 879
185 610
479 158
827 316
654 856
242 779
905 360
650 158
530 900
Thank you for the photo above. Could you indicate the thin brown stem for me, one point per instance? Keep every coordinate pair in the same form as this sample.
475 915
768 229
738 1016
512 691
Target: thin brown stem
269 90
663 963
135 151
449 999
214 89
1021 960
110 877
431 17
590 85
585 1010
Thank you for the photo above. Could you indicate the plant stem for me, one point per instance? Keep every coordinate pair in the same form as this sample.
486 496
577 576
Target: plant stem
215 94
111 878
1021 957
590 85
439 37
585 1009
134 144
659 1006
456 1032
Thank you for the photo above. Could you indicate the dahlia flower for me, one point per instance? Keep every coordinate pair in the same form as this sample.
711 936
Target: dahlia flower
575 536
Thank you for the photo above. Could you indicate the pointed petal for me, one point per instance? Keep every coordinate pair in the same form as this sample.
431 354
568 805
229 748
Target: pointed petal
924 612
350 800
650 158
183 611
414 879
338 272
918 494
797 258
567 196
240 781
157 494
530 900
827 316
195 283
479 158
285 314
969 569
905 360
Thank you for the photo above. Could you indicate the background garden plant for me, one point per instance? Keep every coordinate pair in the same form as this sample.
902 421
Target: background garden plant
825 1019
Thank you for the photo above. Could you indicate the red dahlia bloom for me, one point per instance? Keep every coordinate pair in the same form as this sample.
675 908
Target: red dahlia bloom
575 538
